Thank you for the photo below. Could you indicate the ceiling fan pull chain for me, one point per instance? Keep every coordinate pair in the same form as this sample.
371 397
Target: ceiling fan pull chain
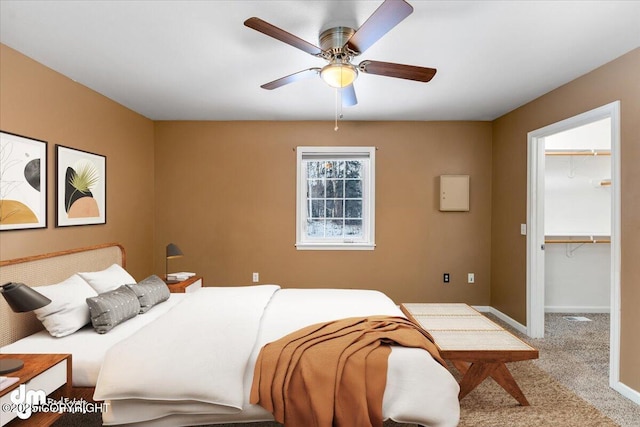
336 115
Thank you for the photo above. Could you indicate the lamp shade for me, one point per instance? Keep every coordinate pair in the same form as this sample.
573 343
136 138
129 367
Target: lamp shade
173 251
22 298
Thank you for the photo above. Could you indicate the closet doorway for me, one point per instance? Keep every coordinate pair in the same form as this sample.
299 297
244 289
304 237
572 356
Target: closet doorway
570 224
577 219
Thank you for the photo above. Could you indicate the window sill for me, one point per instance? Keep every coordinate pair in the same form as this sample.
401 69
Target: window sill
335 246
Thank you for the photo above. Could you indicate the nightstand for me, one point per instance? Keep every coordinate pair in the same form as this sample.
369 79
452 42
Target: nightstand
192 284
50 373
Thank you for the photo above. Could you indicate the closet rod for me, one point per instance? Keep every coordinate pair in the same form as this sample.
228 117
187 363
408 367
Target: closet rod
578 153
578 241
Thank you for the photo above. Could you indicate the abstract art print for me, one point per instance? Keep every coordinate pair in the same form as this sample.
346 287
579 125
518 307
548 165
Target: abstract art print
81 179
23 182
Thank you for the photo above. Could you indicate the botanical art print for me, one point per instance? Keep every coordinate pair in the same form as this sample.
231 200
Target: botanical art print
23 182
80 187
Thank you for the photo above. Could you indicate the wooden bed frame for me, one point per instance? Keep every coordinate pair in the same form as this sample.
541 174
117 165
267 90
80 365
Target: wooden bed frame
48 269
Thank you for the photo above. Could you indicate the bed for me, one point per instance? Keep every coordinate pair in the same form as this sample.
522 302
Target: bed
190 359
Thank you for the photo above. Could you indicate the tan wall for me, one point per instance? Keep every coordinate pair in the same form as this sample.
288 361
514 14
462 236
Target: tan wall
617 80
40 103
226 196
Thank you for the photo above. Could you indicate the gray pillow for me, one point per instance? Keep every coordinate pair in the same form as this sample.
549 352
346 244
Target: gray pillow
109 309
150 291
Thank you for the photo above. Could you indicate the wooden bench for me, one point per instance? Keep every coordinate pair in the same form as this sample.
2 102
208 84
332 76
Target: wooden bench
475 346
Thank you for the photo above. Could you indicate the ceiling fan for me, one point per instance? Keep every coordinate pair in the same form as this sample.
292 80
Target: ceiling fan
339 45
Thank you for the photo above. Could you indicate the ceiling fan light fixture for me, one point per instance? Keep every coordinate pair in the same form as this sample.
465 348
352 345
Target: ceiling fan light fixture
339 74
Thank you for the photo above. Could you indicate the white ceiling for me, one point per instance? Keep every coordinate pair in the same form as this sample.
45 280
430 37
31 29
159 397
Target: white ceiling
195 60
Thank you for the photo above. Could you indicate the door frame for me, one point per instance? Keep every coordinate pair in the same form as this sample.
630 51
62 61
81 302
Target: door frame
535 222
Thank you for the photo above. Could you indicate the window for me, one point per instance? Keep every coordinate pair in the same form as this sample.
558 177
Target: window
335 198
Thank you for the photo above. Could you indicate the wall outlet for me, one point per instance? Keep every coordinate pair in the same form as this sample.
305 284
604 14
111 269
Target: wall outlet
256 277
445 278
471 278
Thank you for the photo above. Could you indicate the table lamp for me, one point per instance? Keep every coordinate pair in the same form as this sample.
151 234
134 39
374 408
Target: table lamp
21 299
173 251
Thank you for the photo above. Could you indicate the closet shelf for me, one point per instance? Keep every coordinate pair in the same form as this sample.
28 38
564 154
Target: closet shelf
577 152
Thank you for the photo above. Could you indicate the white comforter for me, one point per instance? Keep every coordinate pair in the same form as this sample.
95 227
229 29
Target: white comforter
195 364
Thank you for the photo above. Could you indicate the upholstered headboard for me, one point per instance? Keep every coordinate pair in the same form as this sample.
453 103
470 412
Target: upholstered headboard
48 269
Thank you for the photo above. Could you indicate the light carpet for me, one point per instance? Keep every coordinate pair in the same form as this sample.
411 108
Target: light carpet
551 403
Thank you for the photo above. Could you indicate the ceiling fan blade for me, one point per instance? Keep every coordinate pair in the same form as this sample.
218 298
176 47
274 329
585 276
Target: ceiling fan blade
280 34
291 78
348 95
401 71
388 15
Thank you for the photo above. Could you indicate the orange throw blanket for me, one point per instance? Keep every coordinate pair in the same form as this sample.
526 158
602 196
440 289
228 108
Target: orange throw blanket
333 373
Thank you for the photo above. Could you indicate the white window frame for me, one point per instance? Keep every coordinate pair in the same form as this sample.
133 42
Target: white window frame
367 241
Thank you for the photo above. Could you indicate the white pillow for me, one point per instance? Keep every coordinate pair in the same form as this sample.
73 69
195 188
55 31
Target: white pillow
68 310
108 279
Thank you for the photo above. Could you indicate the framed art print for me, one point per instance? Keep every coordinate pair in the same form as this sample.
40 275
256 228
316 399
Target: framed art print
23 182
81 187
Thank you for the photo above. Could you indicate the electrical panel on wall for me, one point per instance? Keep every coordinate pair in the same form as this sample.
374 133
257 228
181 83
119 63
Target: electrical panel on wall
454 193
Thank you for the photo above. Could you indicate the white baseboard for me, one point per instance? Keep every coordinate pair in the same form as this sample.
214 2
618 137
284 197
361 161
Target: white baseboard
627 392
576 309
500 315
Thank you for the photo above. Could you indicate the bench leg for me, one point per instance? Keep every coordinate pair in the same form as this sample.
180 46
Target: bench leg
475 374
461 366
502 376
479 371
